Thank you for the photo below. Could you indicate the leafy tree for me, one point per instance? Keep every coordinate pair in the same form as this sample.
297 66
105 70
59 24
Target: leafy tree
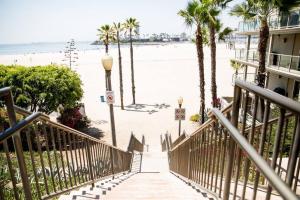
118 28
131 26
42 88
194 15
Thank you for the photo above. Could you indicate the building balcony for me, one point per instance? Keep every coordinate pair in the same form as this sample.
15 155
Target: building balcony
285 21
288 63
284 62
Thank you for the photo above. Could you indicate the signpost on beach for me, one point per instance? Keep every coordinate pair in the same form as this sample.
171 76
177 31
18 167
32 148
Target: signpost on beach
180 114
110 97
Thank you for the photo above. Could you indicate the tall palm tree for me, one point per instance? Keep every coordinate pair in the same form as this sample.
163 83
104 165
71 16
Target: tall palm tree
194 14
106 35
213 9
261 10
118 28
131 26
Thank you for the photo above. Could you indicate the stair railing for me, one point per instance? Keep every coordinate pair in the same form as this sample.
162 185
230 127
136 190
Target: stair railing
42 159
233 162
135 144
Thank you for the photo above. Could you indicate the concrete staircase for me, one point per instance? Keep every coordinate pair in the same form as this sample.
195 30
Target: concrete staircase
149 179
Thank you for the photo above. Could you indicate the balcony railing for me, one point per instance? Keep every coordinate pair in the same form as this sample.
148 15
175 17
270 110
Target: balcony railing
282 61
241 54
280 22
250 77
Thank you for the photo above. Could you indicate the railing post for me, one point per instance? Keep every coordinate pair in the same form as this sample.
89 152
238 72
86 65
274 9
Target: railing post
112 162
18 146
231 147
90 162
189 160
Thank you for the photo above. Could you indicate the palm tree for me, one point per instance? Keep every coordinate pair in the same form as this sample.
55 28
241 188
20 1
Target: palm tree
118 28
194 14
213 9
106 35
131 25
261 10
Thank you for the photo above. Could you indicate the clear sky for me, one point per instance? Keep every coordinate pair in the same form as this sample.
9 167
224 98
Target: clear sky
27 21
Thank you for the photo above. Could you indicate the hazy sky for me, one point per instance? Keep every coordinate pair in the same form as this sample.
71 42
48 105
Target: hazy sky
26 21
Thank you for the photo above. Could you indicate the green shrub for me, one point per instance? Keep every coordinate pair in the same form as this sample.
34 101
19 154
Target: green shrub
195 118
42 88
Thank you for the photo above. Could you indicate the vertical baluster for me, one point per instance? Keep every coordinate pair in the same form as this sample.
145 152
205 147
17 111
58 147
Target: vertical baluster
239 154
81 157
214 155
11 170
297 176
102 157
49 157
294 155
210 148
261 146
36 179
77 158
67 157
42 160
251 138
231 150
224 132
89 156
202 159
55 157
276 147
282 145
61 157
72 157
219 140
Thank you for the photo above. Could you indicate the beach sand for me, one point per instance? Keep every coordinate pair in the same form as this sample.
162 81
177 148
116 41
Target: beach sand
162 74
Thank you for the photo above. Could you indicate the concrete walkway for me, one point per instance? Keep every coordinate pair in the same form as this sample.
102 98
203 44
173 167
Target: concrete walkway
154 182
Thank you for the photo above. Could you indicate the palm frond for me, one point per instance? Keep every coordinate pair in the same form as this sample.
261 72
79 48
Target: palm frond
225 32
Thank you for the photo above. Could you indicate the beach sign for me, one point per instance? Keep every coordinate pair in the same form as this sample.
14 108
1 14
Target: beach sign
180 114
110 97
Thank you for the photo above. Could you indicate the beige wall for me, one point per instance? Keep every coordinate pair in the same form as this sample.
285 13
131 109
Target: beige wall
275 81
281 47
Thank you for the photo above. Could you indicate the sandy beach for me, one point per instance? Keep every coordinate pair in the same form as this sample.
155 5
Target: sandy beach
162 74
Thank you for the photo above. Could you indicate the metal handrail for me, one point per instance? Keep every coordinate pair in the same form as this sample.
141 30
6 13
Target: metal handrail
271 96
225 111
210 158
46 118
260 163
68 159
135 144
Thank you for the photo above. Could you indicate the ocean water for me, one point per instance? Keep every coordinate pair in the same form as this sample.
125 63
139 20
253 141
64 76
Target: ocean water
17 49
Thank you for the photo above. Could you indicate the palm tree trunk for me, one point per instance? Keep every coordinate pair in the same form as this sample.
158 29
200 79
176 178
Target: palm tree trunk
200 54
132 69
120 72
262 49
212 33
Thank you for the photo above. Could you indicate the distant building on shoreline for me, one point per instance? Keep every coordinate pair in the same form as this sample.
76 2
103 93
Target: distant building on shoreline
162 37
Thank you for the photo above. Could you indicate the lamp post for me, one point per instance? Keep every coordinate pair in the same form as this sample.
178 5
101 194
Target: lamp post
107 62
180 101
